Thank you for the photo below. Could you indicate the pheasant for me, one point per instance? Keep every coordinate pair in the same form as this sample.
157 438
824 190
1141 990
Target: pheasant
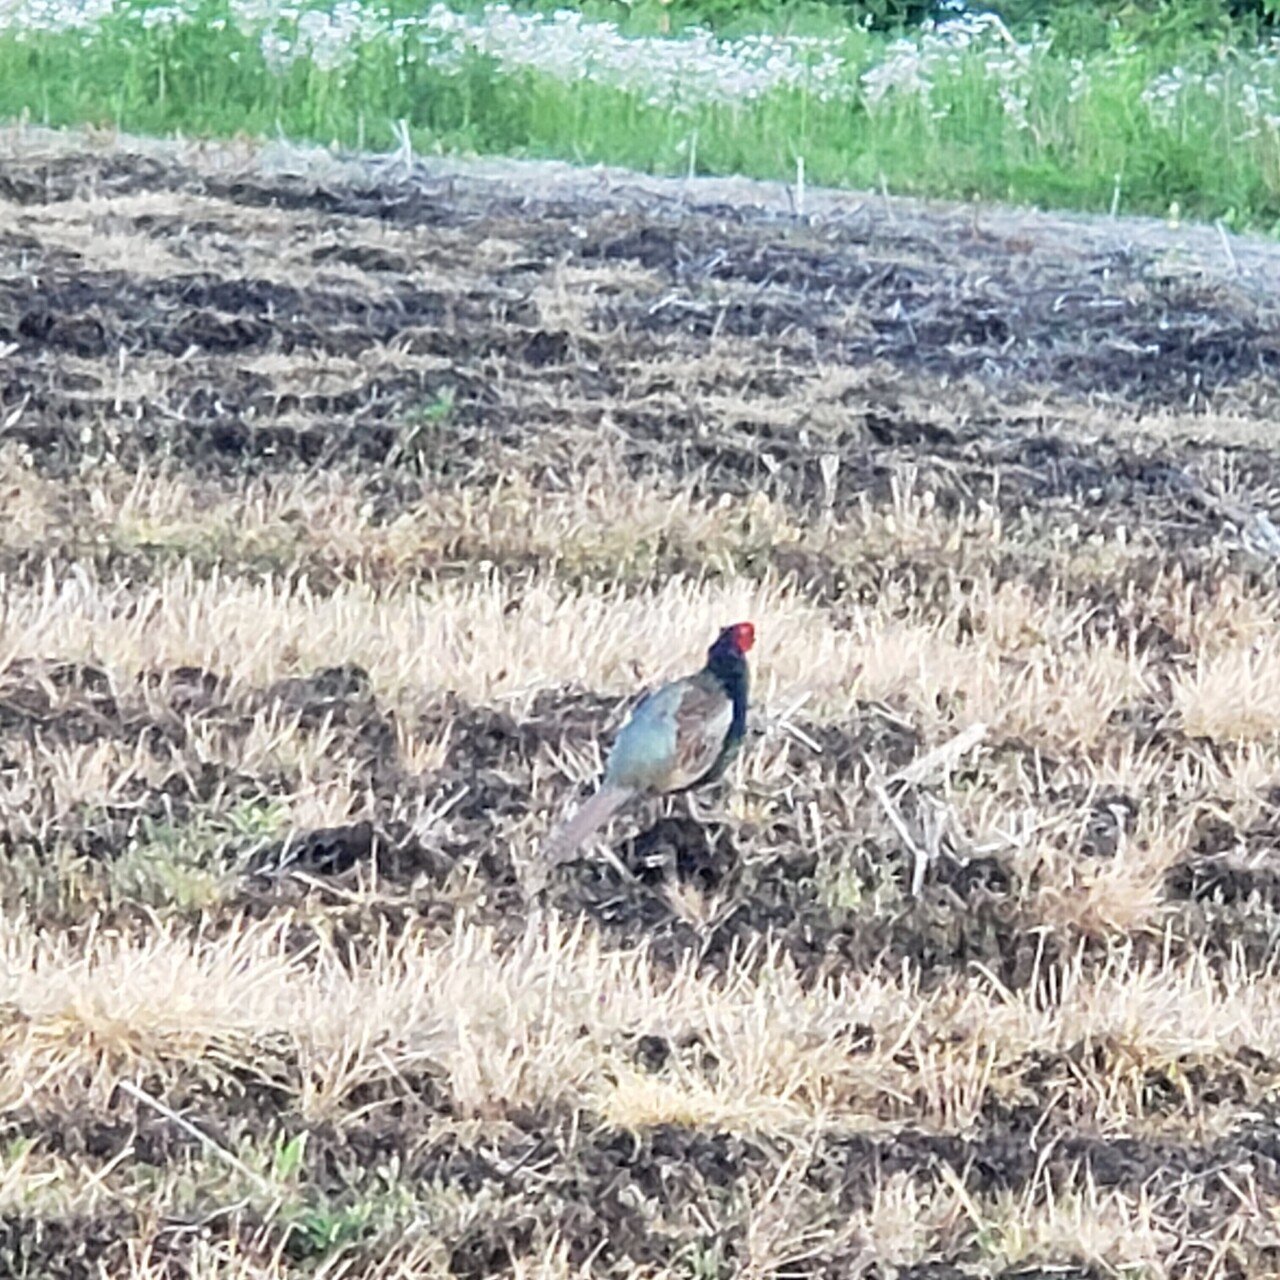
682 735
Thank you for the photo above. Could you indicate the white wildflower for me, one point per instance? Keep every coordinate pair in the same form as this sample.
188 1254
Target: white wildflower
166 15
912 68
52 16
278 53
695 67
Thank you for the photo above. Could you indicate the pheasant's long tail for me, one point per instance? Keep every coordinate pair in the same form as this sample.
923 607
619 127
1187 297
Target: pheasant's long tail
595 812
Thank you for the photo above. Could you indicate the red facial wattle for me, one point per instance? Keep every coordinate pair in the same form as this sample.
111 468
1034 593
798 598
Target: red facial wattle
744 636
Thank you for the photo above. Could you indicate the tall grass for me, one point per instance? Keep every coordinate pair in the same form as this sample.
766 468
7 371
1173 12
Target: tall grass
963 110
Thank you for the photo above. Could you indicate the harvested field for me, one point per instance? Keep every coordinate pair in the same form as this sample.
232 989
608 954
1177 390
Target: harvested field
345 508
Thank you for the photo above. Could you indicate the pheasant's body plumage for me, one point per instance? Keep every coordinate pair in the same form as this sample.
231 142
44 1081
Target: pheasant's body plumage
682 735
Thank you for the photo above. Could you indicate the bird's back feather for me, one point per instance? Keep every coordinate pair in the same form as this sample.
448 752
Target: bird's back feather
673 738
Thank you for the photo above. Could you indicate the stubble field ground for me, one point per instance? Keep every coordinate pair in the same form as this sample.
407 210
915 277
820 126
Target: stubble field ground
343 509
